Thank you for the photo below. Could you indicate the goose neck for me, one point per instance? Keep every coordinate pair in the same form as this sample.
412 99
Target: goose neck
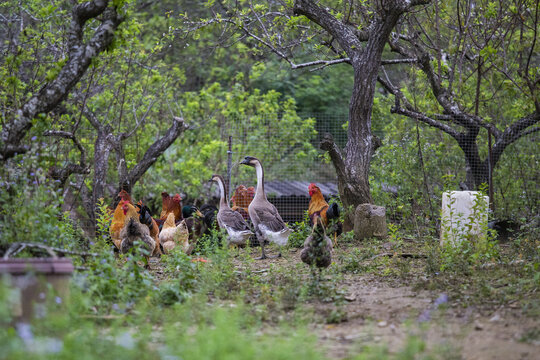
223 201
260 181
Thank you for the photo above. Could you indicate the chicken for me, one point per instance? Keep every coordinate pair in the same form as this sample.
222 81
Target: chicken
194 222
147 219
124 196
170 205
119 218
172 235
317 249
209 216
241 199
134 231
319 207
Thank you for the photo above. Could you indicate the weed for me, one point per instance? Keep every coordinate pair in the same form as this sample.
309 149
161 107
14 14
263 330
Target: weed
301 230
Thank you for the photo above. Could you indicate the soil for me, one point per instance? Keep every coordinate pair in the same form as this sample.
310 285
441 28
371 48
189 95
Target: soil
387 312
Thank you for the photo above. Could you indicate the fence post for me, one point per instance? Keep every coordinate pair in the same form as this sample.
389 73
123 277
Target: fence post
490 173
229 167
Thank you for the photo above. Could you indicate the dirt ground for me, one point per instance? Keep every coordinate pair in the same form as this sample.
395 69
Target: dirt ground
386 313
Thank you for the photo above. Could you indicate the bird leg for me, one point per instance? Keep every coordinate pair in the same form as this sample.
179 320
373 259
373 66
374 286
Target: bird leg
260 238
146 262
263 256
276 256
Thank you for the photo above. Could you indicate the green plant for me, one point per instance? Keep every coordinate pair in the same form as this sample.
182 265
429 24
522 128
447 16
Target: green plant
103 222
30 211
110 287
394 236
301 230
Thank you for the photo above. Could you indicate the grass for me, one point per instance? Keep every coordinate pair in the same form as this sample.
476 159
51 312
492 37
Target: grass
234 307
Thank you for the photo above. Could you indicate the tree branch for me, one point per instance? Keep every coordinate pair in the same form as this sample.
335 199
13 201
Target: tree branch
71 168
80 56
347 38
514 132
328 144
155 150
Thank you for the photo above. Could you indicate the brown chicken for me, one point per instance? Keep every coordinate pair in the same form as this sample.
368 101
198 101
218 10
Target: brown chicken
170 205
319 207
119 218
241 199
134 231
124 196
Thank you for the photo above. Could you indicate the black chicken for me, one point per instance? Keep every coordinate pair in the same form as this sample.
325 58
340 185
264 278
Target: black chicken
317 251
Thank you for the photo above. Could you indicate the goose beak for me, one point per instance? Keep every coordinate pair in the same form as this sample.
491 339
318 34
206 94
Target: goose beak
244 162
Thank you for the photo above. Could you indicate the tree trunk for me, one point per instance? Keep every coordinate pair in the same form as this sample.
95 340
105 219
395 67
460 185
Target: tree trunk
352 164
477 169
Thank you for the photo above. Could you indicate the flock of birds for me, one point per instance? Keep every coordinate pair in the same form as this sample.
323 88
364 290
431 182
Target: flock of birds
133 226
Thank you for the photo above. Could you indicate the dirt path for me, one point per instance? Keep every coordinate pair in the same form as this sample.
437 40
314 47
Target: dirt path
387 313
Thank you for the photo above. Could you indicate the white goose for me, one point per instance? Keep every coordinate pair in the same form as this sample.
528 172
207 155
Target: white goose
266 220
230 220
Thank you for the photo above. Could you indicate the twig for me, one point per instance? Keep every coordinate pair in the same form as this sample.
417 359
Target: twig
15 248
403 255
102 317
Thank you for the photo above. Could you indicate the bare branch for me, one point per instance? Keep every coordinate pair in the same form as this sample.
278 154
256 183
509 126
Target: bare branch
347 38
80 57
154 151
426 119
71 168
328 144
514 132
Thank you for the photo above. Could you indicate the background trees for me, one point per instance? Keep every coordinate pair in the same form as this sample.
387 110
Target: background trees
153 109
479 62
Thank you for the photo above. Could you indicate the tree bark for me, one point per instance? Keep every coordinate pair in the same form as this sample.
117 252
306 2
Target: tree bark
352 164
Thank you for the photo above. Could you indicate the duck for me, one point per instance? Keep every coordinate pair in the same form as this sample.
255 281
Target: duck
238 230
268 224
317 251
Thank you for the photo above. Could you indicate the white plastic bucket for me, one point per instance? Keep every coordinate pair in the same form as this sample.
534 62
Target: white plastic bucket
464 216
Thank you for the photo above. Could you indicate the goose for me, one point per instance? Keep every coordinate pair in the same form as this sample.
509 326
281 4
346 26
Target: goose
317 249
266 220
237 228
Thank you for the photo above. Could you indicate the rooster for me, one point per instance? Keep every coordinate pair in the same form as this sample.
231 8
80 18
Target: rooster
118 220
318 207
209 213
317 249
148 220
194 220
134 231
241 199
170 205
172 234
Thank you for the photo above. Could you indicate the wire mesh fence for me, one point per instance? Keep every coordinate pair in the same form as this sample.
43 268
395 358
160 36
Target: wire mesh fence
409 172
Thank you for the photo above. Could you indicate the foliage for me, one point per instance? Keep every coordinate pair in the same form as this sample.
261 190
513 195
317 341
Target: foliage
31 210
107 287
261 124
301 230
